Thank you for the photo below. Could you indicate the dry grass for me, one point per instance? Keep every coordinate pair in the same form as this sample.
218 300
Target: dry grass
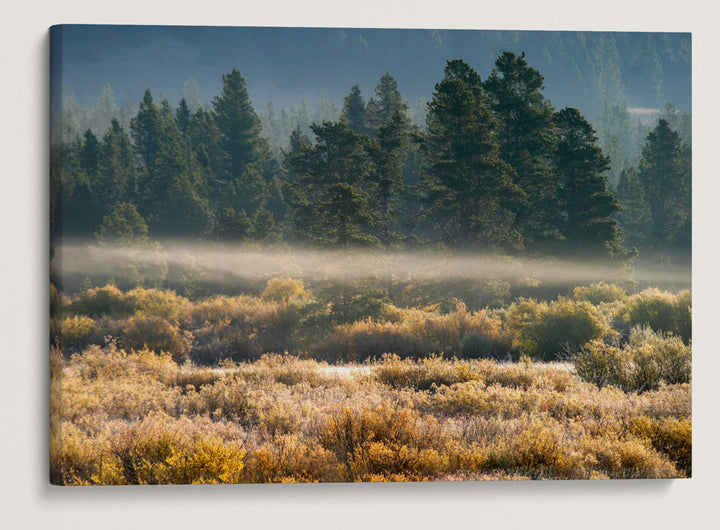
140 418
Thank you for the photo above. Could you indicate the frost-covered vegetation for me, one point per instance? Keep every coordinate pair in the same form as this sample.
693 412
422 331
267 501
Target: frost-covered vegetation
152 387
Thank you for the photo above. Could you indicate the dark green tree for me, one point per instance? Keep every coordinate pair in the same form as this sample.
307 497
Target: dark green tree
387 102
90 154
145 129
345 218
247 177
204 139
123 225
182 117
116 176
239 126
389 153
466 187
590 228
665 174
353 111
175 202
526 137
635 218
339 156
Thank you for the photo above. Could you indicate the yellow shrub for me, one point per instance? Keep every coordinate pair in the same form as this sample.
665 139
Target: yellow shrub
158 335
76 332
107 300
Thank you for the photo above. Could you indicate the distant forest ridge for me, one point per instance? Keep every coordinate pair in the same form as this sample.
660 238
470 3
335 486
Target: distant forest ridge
286 65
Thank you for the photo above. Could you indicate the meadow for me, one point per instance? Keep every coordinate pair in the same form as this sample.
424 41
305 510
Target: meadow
293 385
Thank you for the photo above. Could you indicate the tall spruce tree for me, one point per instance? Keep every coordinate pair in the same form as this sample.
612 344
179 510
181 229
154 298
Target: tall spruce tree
590 228
176 185
353 111
387 102
145 132
635 218
466 187
526 137
239 125
339 156
665 173
247 177
389 152
117 175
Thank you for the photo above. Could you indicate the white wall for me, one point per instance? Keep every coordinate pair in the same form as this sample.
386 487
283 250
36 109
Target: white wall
28 502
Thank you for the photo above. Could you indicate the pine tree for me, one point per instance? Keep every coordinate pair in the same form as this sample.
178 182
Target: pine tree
589 206
339 156
353 111
665 175
247 169
123 225
466 187
177 206
145 132
525 134
182 117
238 124
635 218
345 217
116 178
389 153
387 101
90 154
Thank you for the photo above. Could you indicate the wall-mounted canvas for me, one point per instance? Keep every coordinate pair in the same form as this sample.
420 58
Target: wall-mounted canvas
366 255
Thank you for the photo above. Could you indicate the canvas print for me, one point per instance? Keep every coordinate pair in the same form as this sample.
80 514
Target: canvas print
366 255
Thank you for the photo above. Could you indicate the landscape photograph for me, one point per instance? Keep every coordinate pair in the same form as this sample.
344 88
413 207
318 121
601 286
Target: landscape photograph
323 255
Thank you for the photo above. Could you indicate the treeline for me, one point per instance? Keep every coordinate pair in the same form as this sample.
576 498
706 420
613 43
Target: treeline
496 168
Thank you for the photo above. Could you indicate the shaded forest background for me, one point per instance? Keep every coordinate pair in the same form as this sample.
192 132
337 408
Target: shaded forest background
486 163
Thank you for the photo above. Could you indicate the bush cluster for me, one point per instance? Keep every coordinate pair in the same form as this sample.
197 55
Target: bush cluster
141 418
649 360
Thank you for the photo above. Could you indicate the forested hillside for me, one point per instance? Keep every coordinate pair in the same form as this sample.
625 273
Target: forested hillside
495 168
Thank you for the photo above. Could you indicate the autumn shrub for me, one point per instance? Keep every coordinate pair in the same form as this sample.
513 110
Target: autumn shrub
669 436
599 363
446 332
76 332
239 328
155 303
544 330
538 451
647 361
98 301
155 450
422 374
159 335
286 291
625 459
661 310
385 440
290 458
361 340
599 293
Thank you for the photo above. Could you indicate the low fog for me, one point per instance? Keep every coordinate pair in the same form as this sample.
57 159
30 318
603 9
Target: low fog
253 263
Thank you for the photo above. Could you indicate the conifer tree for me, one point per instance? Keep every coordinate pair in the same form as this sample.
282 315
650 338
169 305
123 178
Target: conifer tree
590 228
387 101
525 134
635 218
466 188
665 175
145 132
182 117
353 111
239 125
